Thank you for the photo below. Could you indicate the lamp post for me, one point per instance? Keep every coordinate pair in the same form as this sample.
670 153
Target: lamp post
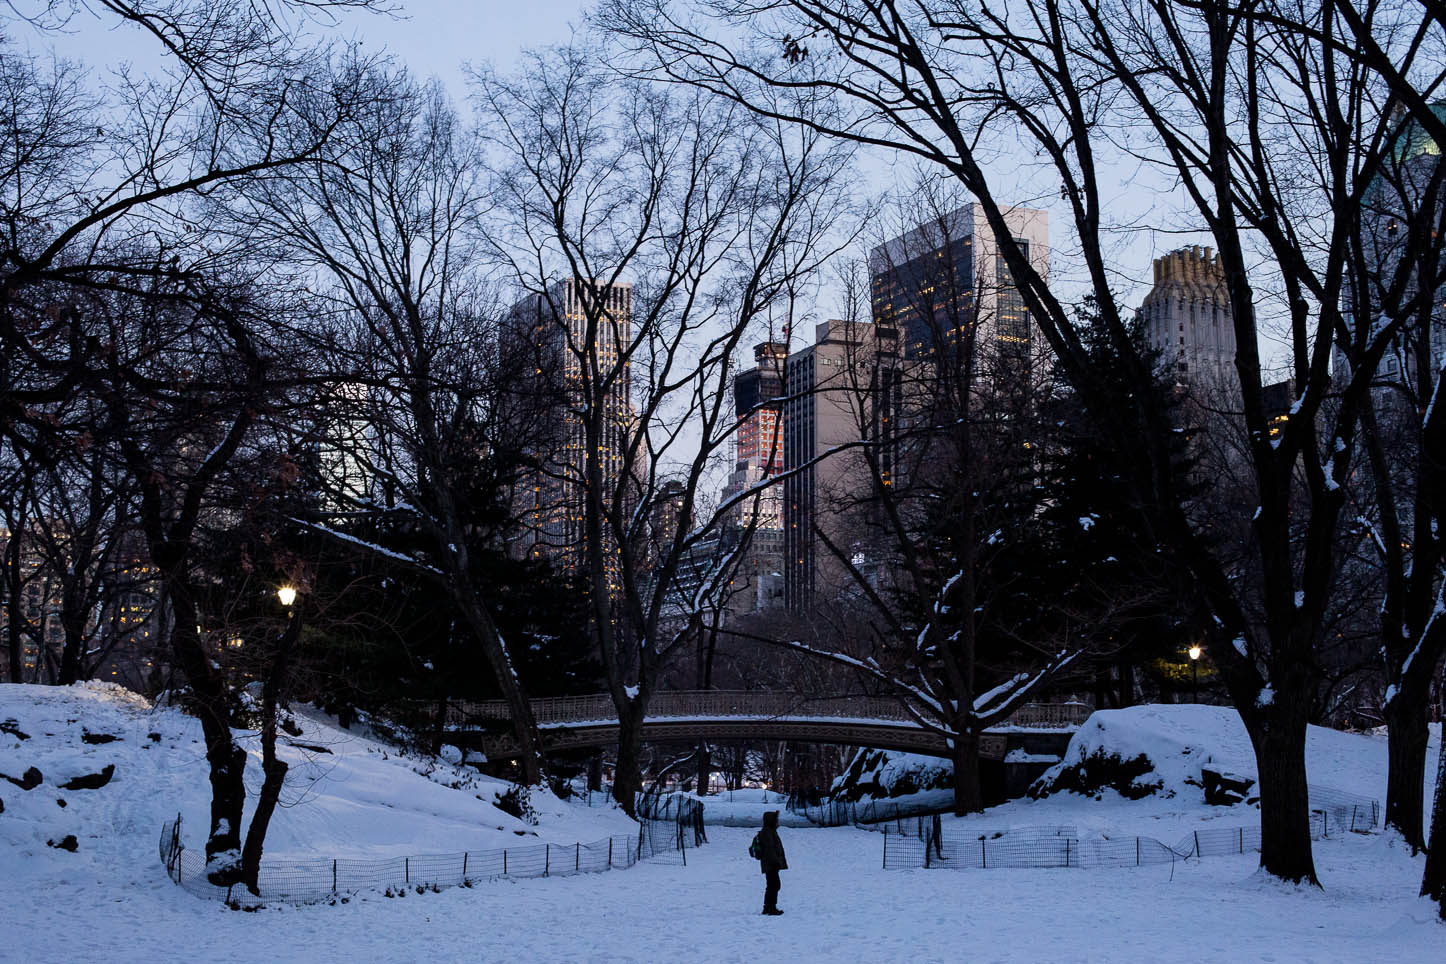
287 595
1195 652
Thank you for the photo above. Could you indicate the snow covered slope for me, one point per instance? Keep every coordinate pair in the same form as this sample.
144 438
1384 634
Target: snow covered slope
346 795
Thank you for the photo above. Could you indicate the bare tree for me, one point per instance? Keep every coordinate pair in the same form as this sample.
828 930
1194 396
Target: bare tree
415 381
101 198
652 233
1274 118
1396 267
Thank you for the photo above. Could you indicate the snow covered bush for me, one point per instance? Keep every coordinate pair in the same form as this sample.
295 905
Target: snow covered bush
1100 771
517 800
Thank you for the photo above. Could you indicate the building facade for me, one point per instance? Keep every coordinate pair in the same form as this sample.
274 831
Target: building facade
945 285
576 339
1187 319
845 388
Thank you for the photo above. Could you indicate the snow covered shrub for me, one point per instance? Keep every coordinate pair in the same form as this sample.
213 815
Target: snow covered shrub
1101 771
517 800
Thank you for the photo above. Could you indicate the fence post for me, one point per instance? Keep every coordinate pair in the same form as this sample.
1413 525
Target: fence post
464 866
886 848
408 861
1066 851
1242 840
546 859
1137 851
610 853
983 854
577 857
333 875
1353 816
504 862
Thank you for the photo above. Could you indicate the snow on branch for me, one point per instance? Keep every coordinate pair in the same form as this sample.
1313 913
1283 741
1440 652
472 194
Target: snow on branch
369 546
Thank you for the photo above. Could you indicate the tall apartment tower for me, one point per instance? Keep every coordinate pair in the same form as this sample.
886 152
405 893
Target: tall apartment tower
946 276
553 328
759 439
1397 197
843 388
1187 318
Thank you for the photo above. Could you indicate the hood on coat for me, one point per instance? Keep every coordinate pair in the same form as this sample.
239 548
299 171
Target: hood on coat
770 820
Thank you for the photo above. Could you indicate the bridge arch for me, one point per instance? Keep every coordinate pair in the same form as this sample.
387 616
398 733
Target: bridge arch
689 715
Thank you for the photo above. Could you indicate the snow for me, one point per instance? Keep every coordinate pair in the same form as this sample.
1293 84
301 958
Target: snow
360 798
111 900
839 905
1181 738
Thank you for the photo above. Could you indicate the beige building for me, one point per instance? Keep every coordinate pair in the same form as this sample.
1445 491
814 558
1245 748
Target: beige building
844 388
1188 321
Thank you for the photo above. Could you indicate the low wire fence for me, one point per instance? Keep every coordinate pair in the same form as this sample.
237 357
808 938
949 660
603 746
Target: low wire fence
683 812
926 844
308 881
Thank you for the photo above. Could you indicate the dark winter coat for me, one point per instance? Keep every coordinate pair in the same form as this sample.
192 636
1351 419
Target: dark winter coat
772 857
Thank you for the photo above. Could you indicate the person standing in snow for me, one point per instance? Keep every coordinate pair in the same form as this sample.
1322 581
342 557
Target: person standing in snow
771 860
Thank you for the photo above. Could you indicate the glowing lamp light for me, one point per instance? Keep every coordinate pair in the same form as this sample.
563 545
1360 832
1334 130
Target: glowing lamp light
287 595
1195 652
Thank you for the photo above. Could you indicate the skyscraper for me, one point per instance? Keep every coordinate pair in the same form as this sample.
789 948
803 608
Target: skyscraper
1399 196
1188 321
759 438
578 334
946 280
844 388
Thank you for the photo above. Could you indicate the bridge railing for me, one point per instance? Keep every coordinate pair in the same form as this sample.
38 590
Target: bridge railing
721 704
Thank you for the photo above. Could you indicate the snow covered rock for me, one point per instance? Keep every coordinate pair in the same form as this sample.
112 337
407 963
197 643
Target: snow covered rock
882 774
1163 749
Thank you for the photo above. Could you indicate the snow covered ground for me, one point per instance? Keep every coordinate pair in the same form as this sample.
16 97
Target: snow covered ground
346 795
840 906
111 900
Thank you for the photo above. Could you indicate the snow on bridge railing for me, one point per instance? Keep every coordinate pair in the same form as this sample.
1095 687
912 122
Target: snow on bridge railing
731 704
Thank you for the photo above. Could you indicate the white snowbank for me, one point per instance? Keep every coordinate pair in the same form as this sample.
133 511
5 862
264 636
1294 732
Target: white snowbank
1180 739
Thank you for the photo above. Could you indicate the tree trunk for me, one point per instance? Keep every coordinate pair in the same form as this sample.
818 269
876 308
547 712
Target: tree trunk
628 775
275 771
594 773
968 796
439 731
14 610
227 760
705 767
70 654
1284 797
1407 734
524 724
1433 881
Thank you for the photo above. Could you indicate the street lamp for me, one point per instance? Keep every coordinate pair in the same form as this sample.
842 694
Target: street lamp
287 595
1195 652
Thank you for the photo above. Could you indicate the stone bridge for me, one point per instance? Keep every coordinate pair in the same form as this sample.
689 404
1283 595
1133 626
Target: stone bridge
687 715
